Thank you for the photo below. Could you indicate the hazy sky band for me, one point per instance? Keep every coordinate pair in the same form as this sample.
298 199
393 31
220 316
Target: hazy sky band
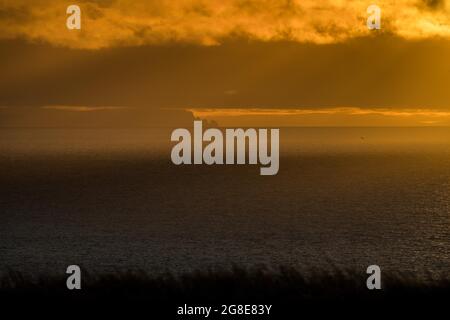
380 72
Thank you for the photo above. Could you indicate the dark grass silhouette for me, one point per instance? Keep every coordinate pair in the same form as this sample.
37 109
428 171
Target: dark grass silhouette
288 289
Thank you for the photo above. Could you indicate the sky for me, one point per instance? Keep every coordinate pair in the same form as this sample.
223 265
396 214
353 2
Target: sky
235 62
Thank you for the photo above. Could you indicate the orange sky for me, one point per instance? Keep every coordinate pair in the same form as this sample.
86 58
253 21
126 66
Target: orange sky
242 62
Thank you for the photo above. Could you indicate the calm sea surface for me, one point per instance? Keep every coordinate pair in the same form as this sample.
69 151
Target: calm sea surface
112 200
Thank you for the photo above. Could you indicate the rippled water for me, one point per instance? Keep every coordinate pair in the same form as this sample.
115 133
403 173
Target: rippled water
111 200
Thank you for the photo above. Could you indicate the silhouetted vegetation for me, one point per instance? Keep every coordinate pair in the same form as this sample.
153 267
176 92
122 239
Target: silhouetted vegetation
287 287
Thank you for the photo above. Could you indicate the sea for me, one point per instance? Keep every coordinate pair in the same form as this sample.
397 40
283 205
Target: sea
111 200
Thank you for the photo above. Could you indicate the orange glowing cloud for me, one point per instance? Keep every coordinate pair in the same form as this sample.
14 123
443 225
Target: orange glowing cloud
82 108
110 23
344 116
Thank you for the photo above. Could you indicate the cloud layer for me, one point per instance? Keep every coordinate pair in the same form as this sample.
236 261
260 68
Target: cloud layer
340 116
112 23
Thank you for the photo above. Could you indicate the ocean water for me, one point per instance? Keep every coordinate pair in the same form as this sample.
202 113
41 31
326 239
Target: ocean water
110 199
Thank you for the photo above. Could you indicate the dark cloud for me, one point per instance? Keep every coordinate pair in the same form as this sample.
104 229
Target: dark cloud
433 4
99 3
199 9
13 14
